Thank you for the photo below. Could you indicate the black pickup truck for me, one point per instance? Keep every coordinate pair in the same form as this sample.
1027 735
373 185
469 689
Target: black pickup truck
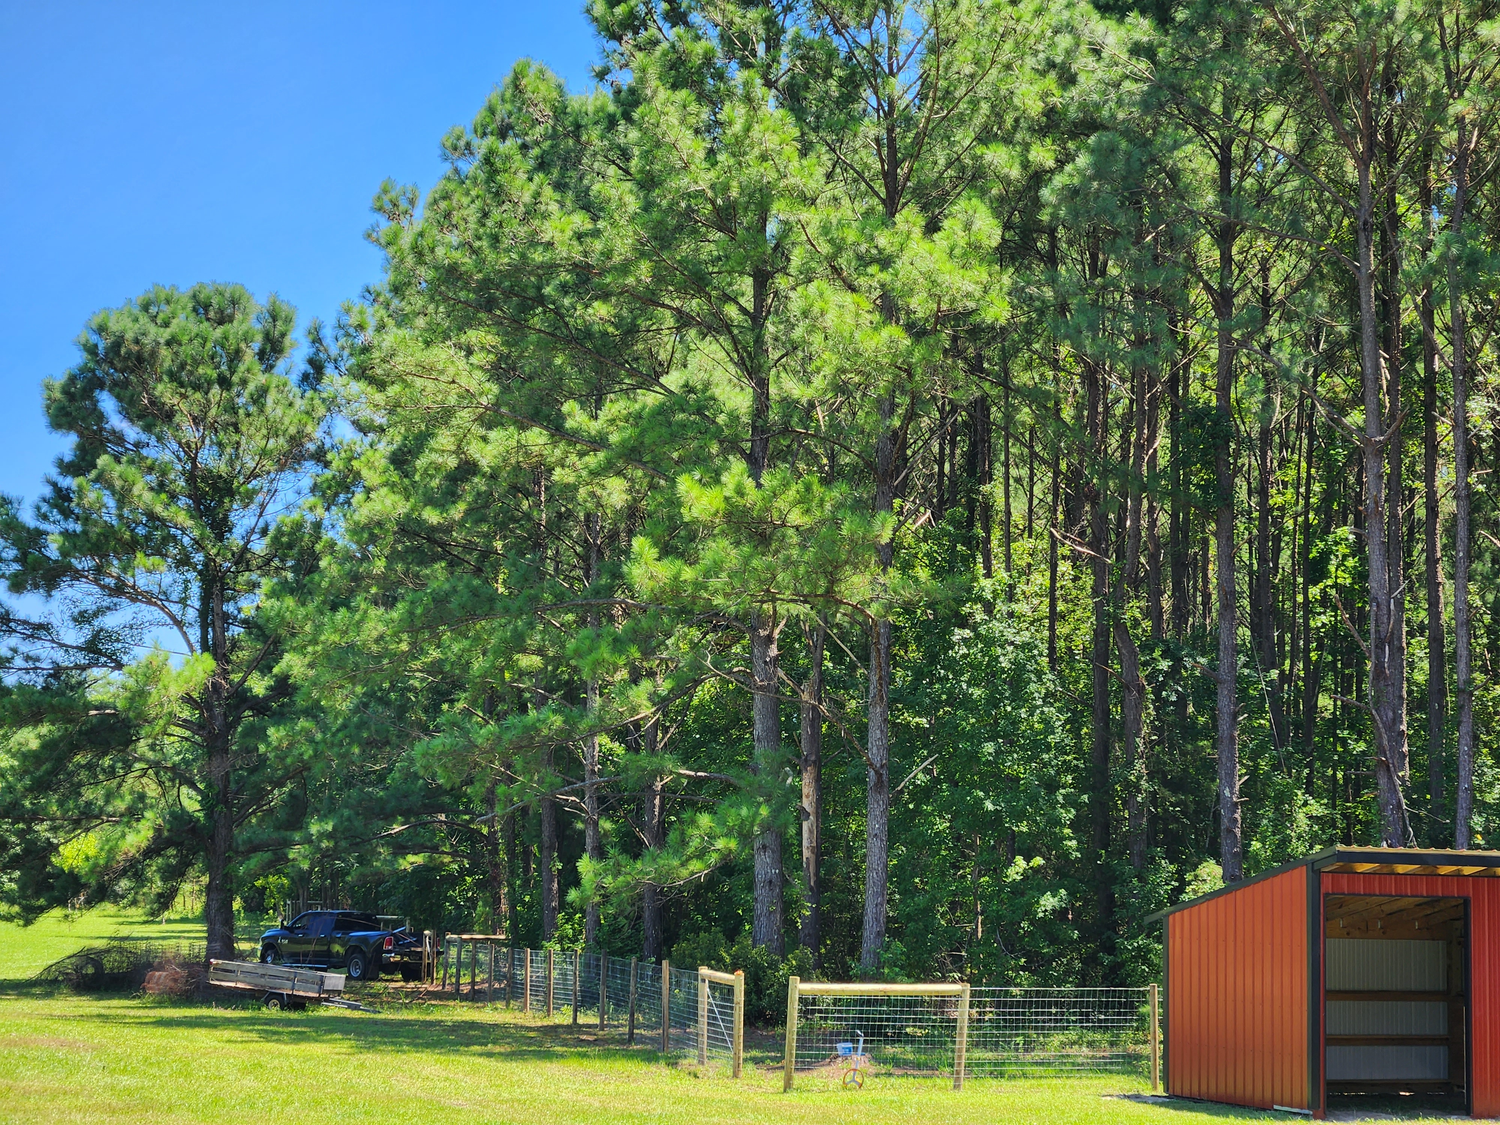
342 939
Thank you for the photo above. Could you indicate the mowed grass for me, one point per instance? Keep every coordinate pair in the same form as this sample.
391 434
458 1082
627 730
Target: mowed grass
71 1058
66 1058
26 950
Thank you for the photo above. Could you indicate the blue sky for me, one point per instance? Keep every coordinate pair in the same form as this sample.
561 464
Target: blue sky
170 143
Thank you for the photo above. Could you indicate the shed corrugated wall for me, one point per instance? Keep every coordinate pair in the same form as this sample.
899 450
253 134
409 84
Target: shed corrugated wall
1237 995
1484 961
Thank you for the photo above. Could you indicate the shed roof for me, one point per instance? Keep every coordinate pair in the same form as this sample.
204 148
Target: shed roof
1369 861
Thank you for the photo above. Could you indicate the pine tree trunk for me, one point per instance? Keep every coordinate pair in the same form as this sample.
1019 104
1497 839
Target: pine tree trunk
218 902
1097 414
1463 685
1384 708
1437 640
1226 740
547 813
765 924
811 730
878 733
593 846
654 817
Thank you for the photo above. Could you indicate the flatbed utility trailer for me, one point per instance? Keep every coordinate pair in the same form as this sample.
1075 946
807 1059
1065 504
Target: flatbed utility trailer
283 986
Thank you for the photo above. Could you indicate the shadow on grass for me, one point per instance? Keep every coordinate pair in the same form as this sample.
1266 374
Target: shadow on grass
1207 1109
416 1033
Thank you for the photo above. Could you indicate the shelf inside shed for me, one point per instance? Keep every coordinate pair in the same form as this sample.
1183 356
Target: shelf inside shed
1394 975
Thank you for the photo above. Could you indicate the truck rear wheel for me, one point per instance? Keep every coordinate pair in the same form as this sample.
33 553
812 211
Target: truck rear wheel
358 965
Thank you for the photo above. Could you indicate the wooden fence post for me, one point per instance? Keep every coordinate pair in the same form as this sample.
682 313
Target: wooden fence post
630 1019
473 970
961 1048
526 983
510 972
702 1018
489 993
603 991
577 991
551 982
666 1006
790 1059
444 959
1155 1042
739 1022
458 968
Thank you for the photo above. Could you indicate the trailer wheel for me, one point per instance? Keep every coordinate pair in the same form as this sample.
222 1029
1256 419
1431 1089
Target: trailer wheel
276 1001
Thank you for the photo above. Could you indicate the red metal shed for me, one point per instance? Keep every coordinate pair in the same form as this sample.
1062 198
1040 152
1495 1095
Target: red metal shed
1353 971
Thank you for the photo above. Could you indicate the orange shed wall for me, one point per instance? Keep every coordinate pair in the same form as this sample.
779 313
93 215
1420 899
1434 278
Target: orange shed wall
1237 995
1484 961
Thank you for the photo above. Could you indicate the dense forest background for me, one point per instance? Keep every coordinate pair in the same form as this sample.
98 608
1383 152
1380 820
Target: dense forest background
871 488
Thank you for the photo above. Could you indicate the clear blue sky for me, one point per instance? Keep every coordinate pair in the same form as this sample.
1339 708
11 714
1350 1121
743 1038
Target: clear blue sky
170 143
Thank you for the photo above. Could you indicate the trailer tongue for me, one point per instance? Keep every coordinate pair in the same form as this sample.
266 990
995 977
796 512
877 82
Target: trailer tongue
283 986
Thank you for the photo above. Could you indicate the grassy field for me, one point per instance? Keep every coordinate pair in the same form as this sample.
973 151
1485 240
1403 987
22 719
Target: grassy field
25 950
69 1058
76 1059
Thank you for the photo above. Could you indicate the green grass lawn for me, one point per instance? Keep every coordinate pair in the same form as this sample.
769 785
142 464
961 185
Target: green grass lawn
25 950
67 1058
71 1058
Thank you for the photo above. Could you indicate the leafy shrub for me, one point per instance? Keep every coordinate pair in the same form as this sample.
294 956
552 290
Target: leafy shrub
766 974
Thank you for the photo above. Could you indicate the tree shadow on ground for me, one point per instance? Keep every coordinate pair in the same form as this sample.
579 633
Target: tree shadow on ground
406 1032
1352 1109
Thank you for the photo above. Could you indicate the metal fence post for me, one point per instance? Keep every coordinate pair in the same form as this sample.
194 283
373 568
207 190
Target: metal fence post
1155 1042
739 1022
790 1057
630 1019
551 982
961 1048
702 1017
666 1006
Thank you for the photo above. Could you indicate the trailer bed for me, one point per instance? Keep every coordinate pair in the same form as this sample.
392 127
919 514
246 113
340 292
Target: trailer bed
286 980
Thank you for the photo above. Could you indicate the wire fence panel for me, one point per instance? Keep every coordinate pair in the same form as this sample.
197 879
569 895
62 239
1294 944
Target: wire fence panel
901 1034
1010 1032
702 1018
538 993
1059 1031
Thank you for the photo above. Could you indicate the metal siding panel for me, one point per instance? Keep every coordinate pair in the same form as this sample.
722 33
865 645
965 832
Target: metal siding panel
1412 1063
1387 1017
1238 994
1390 964
1484 998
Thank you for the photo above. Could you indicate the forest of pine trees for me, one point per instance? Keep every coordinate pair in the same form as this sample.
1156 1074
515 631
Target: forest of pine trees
901 488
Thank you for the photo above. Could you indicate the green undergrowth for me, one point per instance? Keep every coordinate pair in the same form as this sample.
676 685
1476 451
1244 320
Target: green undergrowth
67 1058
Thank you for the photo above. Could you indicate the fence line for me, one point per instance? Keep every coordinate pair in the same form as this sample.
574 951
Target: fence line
931 1030
705 1010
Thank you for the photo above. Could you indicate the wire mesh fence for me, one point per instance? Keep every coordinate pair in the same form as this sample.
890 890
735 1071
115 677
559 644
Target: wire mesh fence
595 989
977 1033
897 1030
1058 1031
